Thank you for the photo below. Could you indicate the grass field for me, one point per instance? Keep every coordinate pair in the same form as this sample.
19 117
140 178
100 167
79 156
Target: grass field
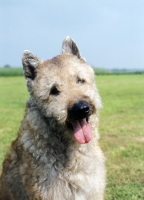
11 71
121 129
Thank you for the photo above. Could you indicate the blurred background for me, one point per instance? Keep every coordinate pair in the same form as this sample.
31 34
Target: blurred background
110 34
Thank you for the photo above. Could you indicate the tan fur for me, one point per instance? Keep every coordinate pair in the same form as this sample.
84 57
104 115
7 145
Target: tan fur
46 162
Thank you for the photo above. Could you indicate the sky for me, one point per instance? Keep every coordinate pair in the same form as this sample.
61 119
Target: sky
109 33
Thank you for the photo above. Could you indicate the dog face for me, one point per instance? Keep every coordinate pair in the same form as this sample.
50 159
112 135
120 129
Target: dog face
64 87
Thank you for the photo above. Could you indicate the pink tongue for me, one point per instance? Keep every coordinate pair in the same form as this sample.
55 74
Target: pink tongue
82 131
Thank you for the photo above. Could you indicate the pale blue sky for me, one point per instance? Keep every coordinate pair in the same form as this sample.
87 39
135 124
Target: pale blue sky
109 33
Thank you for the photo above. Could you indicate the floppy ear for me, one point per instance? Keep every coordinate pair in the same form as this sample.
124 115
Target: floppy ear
30 64
69 46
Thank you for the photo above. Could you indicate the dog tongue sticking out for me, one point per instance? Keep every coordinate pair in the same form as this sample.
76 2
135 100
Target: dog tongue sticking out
82 131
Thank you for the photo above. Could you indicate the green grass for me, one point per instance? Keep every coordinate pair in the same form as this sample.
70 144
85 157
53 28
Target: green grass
13 95
11 71
102 71
122 135
121 128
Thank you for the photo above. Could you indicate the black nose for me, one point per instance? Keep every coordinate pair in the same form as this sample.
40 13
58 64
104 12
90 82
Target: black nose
79 110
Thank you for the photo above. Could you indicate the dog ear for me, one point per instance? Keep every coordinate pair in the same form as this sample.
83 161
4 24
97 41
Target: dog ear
69 46
30 64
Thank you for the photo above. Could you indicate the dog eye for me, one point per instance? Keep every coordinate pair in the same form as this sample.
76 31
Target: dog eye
79 80
54 91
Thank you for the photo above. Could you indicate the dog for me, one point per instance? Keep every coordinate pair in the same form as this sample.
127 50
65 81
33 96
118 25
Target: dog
56 155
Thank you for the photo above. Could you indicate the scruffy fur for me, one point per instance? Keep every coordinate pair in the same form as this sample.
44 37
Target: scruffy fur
46 162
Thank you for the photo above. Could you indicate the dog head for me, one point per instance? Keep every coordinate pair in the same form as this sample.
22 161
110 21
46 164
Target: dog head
63 88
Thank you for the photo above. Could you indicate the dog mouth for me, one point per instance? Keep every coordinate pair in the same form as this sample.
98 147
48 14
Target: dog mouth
78 120
82 130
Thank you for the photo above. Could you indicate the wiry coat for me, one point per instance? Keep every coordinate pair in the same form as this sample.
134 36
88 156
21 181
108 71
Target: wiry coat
46 162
